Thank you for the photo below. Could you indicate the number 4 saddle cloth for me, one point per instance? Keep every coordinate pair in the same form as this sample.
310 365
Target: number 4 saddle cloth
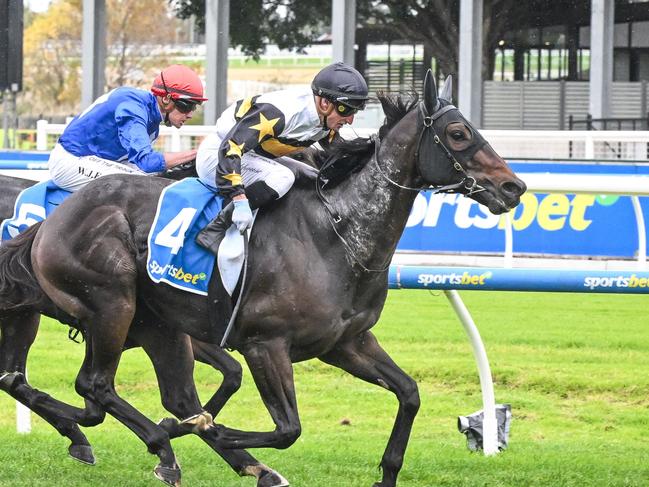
184 208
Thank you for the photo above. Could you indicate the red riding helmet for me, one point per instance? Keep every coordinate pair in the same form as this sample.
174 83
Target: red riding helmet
179 82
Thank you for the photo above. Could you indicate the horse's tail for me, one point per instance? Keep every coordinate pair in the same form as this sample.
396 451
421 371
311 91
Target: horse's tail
18 286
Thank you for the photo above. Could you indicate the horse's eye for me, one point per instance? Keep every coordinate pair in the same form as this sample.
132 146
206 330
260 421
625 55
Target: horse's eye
457 135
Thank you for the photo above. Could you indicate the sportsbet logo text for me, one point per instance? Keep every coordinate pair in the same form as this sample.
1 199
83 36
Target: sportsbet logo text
551 212
466 278
175 273
631 281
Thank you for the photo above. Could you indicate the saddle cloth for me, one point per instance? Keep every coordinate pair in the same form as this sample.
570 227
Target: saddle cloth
33 205
184 208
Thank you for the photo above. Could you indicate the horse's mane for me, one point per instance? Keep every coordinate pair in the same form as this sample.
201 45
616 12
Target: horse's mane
342 157
395 108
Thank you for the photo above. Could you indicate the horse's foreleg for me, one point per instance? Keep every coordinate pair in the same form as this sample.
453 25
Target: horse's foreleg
172 355
218 358
364 358
272 370
18 334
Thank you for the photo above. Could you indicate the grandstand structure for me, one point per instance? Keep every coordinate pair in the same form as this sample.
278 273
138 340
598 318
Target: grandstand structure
563 58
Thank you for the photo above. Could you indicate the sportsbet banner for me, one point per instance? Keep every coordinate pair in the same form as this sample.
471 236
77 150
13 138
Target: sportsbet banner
555 224
487 279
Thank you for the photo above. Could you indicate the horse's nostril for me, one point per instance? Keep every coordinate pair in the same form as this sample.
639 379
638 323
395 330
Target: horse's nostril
513 188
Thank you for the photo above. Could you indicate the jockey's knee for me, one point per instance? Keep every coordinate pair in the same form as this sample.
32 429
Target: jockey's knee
281 181
271 188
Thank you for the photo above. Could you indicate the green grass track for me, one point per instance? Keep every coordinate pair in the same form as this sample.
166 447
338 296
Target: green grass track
575 368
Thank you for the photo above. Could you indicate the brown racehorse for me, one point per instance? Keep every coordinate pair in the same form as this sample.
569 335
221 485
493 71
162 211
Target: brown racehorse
18 331
318 268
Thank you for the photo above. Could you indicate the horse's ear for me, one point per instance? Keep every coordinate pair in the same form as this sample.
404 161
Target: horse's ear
430 93
447 89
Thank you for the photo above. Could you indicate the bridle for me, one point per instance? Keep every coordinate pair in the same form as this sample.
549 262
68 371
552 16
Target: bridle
467 186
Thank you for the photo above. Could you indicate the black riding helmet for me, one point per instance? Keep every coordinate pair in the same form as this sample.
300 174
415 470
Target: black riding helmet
343 85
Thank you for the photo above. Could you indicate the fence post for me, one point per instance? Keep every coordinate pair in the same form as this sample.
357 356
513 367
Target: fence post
41 135
589 148
642 241
23 419
562 105
175 141
490 423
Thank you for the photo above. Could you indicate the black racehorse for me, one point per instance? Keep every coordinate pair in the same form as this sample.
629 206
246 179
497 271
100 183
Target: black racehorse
18 331
317 280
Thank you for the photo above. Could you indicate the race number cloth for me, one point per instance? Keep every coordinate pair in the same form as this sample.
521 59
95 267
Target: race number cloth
174 257
33 205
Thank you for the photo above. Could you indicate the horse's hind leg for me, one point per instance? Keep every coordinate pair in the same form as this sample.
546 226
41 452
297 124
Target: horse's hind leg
17 336
172 357
105 338
363 357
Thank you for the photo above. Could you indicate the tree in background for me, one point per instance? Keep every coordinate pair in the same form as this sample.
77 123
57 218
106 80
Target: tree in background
295 24
291 24
435 24
139 35
51 58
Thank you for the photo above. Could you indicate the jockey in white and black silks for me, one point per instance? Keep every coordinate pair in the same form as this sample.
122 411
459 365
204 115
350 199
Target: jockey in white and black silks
237 159
115 134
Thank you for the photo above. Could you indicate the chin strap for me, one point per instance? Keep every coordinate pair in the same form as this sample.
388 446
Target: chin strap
324 113
166 120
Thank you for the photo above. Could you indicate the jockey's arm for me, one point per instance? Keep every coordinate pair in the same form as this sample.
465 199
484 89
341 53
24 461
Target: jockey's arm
132 131
260 123
173 159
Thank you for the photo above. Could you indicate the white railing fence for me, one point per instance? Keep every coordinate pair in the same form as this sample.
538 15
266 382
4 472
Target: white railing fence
511 144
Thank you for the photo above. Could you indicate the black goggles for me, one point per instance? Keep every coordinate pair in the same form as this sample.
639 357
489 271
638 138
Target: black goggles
185 106
345 109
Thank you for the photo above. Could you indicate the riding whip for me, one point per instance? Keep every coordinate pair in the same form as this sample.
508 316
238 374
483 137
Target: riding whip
235 311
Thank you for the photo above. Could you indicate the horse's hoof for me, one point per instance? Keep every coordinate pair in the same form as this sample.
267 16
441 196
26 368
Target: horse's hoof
270 478
168 475
82 453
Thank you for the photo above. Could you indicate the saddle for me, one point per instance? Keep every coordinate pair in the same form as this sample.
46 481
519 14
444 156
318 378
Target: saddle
33 205
175 259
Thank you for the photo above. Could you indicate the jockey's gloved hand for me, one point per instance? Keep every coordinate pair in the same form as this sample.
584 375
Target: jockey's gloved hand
242 215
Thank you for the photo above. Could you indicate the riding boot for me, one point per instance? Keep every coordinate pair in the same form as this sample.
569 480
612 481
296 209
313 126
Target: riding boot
211 236
258 193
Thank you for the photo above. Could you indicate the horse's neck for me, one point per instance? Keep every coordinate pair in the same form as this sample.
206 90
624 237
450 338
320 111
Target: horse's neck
374 210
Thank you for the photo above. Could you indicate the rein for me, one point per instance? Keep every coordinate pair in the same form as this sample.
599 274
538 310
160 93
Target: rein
467 186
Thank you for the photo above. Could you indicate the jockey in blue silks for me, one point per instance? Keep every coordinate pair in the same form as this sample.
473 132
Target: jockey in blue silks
238 159
115 134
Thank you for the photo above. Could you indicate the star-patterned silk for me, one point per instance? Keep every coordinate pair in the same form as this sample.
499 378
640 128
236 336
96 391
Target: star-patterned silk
235 150
259 124
265 126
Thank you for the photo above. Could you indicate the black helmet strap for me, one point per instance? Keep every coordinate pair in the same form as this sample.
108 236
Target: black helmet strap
324 113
